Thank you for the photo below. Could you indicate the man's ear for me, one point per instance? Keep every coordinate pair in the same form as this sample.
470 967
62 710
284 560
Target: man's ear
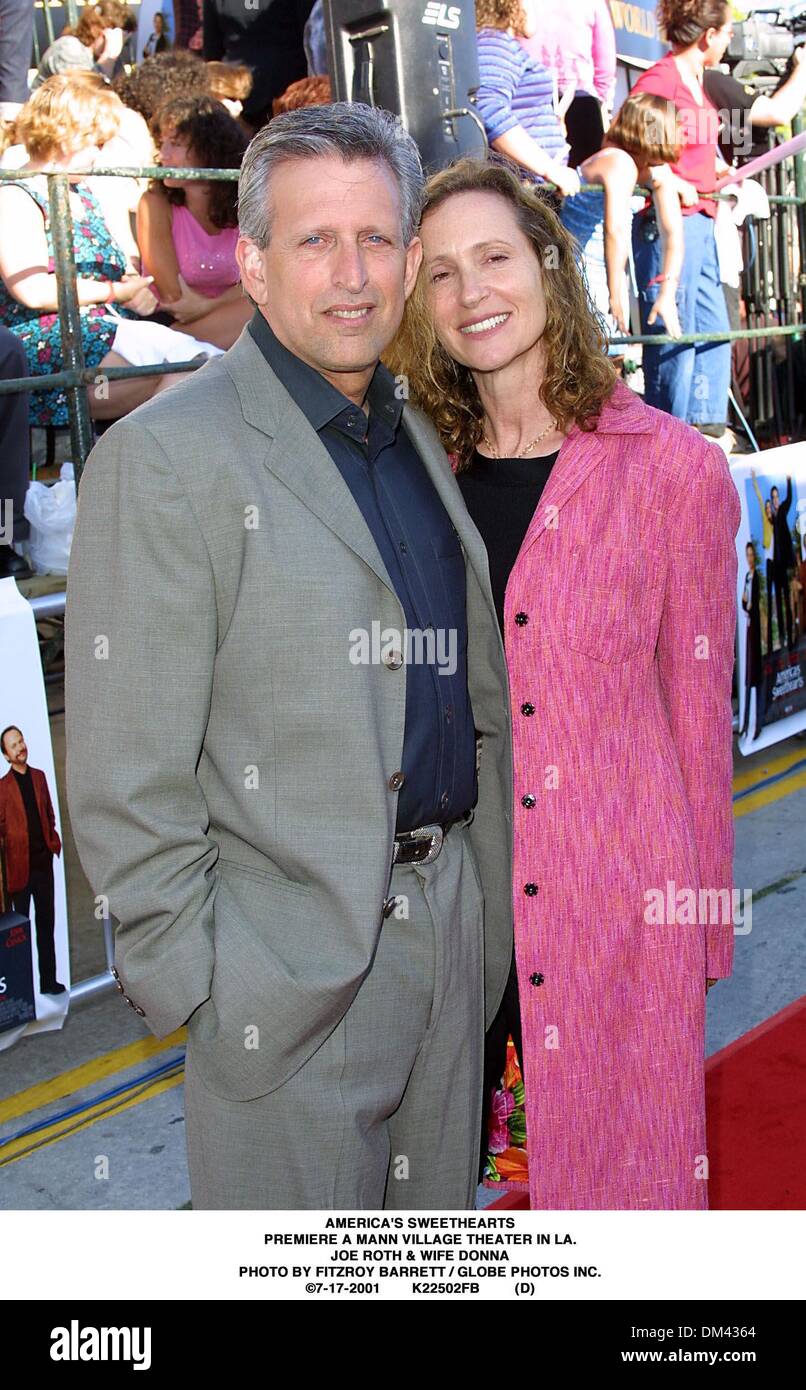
414 257
253 275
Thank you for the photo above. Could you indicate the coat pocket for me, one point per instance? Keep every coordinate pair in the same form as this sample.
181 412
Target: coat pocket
610 617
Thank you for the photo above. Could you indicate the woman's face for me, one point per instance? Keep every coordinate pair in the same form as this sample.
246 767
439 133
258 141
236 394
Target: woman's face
720 38
175 153
158 22
483 281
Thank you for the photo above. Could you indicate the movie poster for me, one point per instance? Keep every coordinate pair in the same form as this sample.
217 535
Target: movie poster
771 595
34 955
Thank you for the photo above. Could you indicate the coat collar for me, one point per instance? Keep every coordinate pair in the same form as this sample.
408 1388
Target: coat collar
581 452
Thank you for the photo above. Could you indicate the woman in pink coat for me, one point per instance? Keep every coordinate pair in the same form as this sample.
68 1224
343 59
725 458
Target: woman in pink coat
610 533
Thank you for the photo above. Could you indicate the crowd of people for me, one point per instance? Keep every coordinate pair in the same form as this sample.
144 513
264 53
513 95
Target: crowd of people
172 269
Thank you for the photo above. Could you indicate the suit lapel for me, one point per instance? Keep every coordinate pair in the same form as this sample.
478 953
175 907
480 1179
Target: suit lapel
579 454
297 455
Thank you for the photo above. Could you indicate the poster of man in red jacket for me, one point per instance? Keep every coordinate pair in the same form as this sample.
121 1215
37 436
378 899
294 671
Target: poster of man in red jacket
28 842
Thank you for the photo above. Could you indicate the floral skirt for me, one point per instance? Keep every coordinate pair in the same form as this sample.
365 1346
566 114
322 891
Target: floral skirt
41 336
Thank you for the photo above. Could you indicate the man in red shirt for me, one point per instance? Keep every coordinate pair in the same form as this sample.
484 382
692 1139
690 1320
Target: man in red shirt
29 840
690 380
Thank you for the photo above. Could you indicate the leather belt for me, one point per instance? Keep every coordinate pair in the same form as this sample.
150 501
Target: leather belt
421 846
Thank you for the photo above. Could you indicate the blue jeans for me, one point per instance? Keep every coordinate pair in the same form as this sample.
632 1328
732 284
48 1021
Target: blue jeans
691 381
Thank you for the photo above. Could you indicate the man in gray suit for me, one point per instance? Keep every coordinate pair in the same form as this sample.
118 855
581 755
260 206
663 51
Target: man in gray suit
288 743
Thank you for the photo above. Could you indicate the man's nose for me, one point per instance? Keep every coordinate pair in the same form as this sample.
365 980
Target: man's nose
350 267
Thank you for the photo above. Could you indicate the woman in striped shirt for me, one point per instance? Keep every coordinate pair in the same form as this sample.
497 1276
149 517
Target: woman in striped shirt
516 94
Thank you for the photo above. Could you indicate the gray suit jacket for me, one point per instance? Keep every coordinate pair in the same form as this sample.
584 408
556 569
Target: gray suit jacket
227 765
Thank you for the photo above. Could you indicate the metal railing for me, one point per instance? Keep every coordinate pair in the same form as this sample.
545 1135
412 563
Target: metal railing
772 265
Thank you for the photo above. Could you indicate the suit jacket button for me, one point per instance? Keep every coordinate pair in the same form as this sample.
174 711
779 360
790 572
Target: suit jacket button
393 661
389 906
530 889
521 619
537 978
527 708
396 781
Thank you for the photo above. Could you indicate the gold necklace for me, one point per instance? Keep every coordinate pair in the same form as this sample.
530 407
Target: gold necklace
549 427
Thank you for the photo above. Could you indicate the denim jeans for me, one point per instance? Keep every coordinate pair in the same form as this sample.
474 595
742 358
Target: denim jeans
691 381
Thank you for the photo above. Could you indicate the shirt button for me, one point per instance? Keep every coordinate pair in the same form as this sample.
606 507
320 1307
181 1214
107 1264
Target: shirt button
404 547
521 619
393 661
396 781
527 708
536 979
530 889
528 801
443 800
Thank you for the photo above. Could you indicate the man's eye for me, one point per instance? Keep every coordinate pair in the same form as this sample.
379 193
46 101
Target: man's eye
309 240
376 236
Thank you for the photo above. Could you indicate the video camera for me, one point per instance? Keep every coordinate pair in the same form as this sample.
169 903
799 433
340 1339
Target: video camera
761 49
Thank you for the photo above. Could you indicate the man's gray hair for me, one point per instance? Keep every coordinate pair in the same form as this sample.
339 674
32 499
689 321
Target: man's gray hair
345 128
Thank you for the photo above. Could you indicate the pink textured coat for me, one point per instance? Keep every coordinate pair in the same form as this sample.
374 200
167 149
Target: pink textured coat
627 577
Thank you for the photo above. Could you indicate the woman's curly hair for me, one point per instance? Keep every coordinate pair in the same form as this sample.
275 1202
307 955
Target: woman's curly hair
500 14
579 375
216 140
67 112
682 21
157 80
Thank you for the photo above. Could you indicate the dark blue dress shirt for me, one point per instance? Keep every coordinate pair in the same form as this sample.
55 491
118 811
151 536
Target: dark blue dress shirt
421 551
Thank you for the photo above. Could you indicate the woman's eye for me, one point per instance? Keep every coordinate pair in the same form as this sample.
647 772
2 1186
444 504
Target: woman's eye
438 275
497 256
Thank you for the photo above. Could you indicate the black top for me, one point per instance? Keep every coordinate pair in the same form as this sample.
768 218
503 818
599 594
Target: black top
501 496
37 849
738 139
422 554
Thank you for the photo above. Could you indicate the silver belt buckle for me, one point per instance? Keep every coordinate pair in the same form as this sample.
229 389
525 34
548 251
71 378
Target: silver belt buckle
434 833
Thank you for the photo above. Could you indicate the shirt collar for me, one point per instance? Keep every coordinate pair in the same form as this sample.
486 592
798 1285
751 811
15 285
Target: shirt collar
316 397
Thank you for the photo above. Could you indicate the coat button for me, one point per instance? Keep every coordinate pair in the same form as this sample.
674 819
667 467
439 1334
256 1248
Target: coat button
527 708
393 661
521 619
528 801
537 978
396 781
530 889
389 906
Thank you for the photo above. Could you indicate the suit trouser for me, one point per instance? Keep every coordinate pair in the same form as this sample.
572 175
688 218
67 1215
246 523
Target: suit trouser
40 888
386 1113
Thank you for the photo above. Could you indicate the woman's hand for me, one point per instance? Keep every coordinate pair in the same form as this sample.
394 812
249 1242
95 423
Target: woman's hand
567 180
619 309
134 292
686 192
665 306
189 306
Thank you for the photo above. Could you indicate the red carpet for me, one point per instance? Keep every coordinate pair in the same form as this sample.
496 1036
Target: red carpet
756 1102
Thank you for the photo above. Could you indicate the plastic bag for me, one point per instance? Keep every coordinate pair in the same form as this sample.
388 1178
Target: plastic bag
51 511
